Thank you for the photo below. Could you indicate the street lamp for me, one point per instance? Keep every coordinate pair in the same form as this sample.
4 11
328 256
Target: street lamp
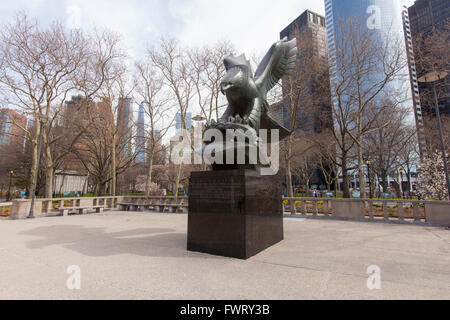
401 182
432 78
370 180
11 173
199 118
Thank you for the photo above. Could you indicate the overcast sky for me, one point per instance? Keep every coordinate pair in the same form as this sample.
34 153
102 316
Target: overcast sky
252 25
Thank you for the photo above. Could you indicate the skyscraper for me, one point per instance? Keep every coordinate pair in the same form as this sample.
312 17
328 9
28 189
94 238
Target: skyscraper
313 107
140 139
385 19
124 124
10 132
309 26
426 17
188 120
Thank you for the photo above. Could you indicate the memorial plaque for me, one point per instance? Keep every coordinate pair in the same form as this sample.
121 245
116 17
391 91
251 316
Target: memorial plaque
234 213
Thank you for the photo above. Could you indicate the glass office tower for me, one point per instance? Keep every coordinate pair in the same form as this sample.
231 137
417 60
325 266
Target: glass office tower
140 139
384 20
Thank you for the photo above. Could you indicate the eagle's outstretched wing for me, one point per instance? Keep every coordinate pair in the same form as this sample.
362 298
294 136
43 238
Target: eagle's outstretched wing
278 62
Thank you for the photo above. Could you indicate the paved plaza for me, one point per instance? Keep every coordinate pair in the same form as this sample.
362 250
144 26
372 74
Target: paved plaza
143 256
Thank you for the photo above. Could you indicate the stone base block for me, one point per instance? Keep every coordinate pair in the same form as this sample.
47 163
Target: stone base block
234 213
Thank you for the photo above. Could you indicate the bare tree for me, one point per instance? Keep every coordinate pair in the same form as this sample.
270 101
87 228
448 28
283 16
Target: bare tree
301 99
208 72
39 69
389 145
366 70
177 71
431 51
149 87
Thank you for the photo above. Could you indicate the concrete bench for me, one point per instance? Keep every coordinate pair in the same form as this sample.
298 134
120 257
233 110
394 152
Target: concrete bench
81 210
132 206
161 207
173 208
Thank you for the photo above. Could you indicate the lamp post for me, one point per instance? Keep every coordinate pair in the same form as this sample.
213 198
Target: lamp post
401 182
11 173
370 180
432 77
199 118
198 135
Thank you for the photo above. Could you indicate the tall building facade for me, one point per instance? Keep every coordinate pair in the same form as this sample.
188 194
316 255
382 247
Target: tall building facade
427 16
179 122
312 117
313 108
384 19
140 136
10 132
124 124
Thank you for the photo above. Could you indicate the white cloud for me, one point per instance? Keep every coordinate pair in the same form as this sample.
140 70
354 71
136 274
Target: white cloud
252 25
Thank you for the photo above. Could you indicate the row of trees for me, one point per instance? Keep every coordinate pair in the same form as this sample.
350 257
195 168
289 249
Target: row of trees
41 68
369 129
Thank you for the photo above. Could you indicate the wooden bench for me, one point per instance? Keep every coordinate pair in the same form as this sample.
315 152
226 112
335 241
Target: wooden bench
81 210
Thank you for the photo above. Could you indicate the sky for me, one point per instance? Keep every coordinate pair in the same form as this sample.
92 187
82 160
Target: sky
251 25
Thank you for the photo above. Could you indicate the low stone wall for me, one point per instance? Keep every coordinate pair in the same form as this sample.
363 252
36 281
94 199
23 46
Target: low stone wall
45 207
419 212
416 212
347 208
438 212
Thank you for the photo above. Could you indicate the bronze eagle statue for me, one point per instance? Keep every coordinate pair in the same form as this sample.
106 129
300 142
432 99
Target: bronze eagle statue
247 93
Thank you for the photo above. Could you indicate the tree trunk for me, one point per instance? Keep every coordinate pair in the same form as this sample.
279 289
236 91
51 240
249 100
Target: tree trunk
289 168
149 176
361 173
345 178
49 183
49 167
336 187
177 182
34 158
384 182
113 166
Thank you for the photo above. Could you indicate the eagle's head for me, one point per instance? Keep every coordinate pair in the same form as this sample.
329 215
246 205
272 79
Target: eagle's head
239 78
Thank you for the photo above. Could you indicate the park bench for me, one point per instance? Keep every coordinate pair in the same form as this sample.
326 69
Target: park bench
159 207
173 208
81 210
124 206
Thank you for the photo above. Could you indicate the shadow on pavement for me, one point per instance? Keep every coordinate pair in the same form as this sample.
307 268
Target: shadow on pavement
95 242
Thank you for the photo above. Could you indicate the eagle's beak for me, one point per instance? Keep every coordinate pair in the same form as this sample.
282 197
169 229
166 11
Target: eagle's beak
224 87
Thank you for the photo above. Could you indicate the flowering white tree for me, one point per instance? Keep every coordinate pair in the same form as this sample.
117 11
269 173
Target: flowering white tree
432 183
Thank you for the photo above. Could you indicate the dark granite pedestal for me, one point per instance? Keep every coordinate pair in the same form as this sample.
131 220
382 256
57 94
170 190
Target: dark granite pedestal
234 213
